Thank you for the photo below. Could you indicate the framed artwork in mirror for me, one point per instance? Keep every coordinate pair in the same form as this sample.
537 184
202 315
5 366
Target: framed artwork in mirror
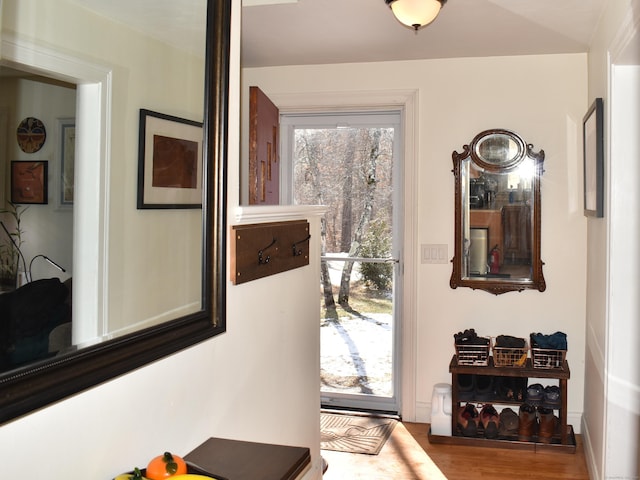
169 162
593 144
67 153
29 182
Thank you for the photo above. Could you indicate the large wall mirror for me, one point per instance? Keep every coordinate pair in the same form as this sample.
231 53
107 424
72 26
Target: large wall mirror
162 271
497 214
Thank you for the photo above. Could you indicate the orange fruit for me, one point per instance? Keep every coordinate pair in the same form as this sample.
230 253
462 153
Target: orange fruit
165 466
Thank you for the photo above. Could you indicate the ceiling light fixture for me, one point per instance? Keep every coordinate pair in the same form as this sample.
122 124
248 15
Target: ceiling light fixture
415 13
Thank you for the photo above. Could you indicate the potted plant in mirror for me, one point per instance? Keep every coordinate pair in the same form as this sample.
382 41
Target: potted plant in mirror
10 243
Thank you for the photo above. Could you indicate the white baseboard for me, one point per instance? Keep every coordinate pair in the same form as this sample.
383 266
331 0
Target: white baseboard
575 419
423 412
589 454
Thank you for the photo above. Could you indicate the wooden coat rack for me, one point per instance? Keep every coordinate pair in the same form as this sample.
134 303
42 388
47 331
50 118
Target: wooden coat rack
263 249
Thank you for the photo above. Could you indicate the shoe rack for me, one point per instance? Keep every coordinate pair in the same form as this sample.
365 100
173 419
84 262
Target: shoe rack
563 441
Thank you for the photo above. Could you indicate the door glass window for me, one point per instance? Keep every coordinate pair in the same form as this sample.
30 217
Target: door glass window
348 163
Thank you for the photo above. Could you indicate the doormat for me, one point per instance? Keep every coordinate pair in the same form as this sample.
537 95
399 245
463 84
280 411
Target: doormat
354 433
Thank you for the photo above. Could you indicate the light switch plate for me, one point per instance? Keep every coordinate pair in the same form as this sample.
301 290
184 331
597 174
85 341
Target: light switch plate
434 253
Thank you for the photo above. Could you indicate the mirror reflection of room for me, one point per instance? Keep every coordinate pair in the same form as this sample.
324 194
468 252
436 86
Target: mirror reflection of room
142 277
36 238
83 227
500 222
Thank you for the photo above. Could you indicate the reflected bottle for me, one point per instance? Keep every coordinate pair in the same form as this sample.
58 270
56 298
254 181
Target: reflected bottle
494 260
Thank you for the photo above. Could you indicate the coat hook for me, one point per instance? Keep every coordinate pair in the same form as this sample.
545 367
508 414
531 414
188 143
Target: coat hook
267 259
297 252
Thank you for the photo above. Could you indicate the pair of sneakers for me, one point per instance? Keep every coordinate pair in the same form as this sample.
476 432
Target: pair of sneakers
547 396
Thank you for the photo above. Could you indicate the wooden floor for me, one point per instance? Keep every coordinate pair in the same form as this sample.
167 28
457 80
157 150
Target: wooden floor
471 463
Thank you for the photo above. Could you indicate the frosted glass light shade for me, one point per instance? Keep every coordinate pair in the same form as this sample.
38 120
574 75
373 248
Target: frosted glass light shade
415 13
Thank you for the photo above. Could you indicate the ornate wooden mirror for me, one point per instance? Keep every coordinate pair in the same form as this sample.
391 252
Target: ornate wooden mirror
497 214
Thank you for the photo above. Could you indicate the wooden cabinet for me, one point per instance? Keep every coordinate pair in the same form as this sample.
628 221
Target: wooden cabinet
516 228
564 441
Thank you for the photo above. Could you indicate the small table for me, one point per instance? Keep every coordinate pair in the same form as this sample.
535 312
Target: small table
239 460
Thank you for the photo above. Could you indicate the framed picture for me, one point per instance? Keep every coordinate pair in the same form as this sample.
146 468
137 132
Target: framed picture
169 162
29 182
67 153
4 166
593 138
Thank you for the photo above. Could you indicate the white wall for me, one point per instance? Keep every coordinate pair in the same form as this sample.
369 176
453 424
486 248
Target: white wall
541 97
259 381
612 387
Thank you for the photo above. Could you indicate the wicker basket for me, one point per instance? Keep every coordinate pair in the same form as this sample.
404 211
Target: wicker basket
474 355
510 357
548 358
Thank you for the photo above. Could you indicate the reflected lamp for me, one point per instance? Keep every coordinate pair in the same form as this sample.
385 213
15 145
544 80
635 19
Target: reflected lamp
51 262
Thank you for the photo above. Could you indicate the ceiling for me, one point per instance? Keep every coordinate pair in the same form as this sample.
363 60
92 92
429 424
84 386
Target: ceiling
336 31
178 22
300 32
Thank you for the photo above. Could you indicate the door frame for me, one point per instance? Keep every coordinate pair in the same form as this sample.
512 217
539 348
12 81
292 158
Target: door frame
94 90
407 102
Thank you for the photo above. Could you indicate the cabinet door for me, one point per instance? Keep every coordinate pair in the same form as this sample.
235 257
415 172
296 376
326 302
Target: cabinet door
264 164
516 225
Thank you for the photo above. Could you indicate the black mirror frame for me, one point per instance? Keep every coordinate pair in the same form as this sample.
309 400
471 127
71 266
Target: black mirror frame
41 384
498 286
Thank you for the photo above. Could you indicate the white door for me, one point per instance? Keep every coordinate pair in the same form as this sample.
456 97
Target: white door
350 162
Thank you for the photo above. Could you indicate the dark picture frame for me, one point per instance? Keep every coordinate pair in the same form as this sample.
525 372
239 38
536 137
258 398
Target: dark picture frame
593 144
169 162
29 182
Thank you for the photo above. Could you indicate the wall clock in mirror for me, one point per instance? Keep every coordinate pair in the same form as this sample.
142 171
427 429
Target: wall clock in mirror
31 135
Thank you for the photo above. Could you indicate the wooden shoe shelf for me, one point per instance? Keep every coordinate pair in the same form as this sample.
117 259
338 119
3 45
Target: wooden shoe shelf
563 442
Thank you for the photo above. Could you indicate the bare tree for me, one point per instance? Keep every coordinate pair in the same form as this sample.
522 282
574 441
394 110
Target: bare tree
310 155
349 171
347 192
365 216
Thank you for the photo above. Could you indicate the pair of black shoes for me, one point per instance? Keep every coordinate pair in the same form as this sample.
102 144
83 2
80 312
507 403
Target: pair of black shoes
511 389
475 387
486 388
